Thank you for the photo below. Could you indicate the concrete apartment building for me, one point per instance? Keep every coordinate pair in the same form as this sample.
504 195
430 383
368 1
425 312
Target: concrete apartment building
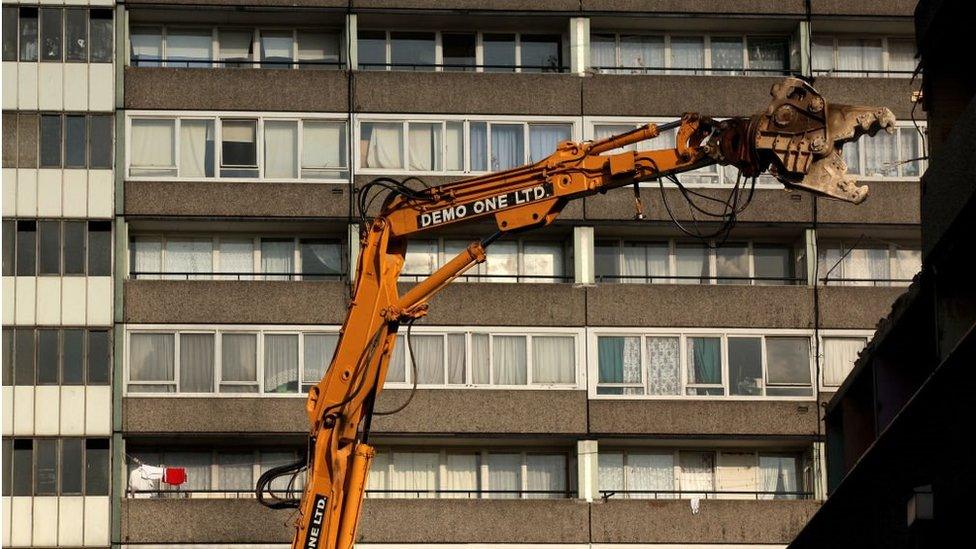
179 234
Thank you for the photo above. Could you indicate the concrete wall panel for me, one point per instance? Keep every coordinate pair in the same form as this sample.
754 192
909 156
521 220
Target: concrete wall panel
894 202
659 95
703 417
888 8
856 307
768 205
894 93
748 7
234 199
506 304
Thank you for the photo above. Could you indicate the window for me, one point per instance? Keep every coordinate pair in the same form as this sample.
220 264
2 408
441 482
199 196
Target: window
704 364
51 34
455 51
76 141
460 51
102 36
10 24
277 49
212 473
190 148
886 155
318 50
541 53
450 473
236 257
471 358
855 56
411 50
28 34
508 261
500 52
50 140
189 48
56 466
236 47
664 473
868 264
48 247
613 53
146 44
839 356
76 35
675 262
56 34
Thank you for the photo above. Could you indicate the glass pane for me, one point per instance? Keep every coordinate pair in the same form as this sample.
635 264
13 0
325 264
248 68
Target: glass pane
151 357
10 20
71 465
100 145
773 264
732 261
697 473
543 261
47 357
611 471
499 52
238 358
75 141
319 349
278 256
543 139
49 247
745 365
51 34
901 56
691 262
152 147
280 149
146 257
318 50
503 262
541 53
147 46
456 346
823 55
23 467
281 363
26 248
96 467
186 256
663 366
381 144
788 360
99 357
704 364
102 35
545 474
779 477
507 146
479 146
603 52
9 250
727 54
909 152
424 146
321 259
427 356
196 148
839 354
235 472
619 360
196 363
28 36
50 141
770 55
641 54
459 51
509 360
76 35
454 147
236 48
188 48
650 475
504 475
553 359
323 149
73 357
687 52
372 50
46 467
238 148
24 356
411 50
633 262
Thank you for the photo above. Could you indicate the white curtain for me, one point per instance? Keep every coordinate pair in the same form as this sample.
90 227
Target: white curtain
238 362
152 147
196 148
323 148
280 363
691 264
697 473
478 132
546 473
642 54
611 471
428 356
384 146
688 52
461 473
663 375
502 260
277 256
901 56
778 474
281 149
823 55
318 46
237 257
732 260
507 146
859 57
421 259
319 349
650 473
196 363
185 256
454 147
270 460
197 465
235 471
634 263
880 153
543 139
424 146
839 354
908 150
414 471
396 370
727 54
509 360
603 52
553 359
151 358
543 259
480 358
455 358
377 479
827 258
907 263
867 263
504 474
147 257
188 45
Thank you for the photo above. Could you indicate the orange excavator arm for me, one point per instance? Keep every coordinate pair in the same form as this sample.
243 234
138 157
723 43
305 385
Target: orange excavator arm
798 139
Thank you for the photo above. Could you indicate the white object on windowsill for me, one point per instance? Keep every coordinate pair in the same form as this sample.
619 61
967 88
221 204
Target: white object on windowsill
695 503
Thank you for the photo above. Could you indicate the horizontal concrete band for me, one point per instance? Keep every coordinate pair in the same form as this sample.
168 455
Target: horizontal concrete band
500 304
482 93
479 521
560 413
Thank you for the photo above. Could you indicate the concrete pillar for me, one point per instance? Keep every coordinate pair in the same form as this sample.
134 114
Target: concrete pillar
579 45
588 470
352 242
583 260
810 241
352 33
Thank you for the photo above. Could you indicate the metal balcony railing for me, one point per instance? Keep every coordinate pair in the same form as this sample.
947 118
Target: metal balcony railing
417 277
168 493
706 494
674 279
198 275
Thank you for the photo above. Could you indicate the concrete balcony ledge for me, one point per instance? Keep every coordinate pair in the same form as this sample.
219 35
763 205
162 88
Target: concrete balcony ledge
234 302
507 304
671 95
718 521
237 199
856 307
461 411
701 417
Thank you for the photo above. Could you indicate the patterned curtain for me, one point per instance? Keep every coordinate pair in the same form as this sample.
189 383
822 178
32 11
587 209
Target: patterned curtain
662 366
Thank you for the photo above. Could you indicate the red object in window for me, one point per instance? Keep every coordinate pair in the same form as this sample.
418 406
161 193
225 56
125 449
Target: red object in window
174 475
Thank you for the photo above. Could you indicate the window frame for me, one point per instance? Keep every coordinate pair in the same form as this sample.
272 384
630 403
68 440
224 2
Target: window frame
216 118
682 334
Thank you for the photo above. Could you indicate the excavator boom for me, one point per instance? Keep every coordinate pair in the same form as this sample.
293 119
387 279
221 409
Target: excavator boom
798 139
